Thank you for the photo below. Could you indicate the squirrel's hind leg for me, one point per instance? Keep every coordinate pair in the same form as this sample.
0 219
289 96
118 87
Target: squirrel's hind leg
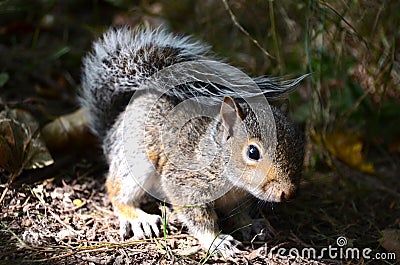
127 192
132 219
131 175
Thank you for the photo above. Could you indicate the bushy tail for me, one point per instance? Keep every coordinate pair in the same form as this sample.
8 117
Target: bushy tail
123 59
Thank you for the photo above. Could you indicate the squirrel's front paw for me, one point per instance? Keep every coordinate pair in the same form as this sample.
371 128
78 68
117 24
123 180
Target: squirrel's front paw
260 229
224 245
144 226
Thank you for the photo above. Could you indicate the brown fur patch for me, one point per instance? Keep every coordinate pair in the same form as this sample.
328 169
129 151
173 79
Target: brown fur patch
113 187
124 210
153 156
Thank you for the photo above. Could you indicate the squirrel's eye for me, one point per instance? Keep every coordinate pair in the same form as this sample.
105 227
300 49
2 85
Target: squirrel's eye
253 152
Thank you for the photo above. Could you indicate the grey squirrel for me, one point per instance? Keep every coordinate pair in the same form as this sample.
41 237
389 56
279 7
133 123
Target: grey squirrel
238 167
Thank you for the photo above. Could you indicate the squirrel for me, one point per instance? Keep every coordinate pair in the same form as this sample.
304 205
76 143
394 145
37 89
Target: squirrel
120 105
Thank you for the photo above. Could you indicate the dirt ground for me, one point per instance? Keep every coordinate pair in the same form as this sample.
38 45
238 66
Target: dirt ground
70 221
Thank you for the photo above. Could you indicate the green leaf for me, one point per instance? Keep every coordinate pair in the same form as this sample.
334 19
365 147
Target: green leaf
4 77
60 52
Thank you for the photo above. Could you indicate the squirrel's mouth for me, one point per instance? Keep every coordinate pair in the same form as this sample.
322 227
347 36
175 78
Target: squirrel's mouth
277 192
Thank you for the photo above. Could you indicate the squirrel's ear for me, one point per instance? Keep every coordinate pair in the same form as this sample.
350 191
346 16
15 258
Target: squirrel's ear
231 115
284 107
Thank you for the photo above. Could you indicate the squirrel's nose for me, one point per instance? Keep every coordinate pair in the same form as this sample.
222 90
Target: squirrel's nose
285 196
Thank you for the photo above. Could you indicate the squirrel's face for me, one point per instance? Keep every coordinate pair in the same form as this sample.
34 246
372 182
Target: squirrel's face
268 171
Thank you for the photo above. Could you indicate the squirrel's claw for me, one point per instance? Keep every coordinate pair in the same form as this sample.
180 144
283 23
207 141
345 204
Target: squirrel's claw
225 246
145 226
124 229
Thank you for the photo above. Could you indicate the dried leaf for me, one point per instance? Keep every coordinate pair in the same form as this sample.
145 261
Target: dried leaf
391 241
394 145
23 117
20 143
70 131
37 156
347 147
187 251
64 235
12 144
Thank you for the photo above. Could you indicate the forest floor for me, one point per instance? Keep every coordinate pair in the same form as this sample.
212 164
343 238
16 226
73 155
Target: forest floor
68 219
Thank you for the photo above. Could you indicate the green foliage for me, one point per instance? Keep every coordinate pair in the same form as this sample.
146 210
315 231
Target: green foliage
3 78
